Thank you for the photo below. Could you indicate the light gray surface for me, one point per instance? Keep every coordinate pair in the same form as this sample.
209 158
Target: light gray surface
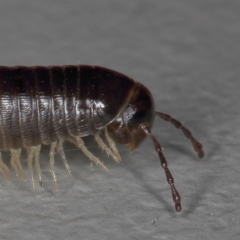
187 53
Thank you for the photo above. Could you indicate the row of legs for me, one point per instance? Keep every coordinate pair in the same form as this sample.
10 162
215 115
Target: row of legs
33 156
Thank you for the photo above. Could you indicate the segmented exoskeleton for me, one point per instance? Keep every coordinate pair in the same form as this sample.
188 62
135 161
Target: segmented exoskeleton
50 105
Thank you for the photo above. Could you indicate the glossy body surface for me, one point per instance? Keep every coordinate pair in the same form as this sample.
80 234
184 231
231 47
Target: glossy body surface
187 54
40 105
50 105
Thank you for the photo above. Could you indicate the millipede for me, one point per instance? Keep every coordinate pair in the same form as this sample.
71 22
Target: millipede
49 105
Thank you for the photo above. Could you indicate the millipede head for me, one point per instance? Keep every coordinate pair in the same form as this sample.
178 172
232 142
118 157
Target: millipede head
135 124
140 110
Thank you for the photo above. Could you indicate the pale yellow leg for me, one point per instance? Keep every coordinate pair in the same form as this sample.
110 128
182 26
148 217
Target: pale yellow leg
112 146
62 154
1 168
4 170
37 164
104 147
16 164
82 146
30 156
52 153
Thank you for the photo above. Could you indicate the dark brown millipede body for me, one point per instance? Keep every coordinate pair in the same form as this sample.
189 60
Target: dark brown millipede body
50 105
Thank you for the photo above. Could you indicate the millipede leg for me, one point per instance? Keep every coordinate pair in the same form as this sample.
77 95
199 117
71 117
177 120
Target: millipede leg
196 145
37 165
82 146
112 146
104 147
4 170
52 171
30 156
64 159
16 164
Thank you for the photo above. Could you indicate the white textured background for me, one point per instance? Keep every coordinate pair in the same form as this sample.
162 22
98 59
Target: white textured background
187 53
